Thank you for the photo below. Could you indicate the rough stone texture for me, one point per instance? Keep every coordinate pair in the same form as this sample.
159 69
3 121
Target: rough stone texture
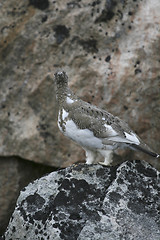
15 173
90 202
110 50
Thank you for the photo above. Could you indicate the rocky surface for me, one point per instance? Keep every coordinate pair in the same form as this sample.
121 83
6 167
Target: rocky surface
110 50
15 173
90 202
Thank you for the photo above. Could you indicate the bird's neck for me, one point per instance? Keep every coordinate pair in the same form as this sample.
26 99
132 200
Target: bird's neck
61 94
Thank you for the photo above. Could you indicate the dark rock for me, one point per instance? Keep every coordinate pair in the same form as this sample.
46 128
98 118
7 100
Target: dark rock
90 202
137 70
105 16
15 174
108 58
61 32
89 45
40 4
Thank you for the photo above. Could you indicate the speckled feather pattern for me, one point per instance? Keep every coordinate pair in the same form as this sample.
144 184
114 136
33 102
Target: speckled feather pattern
93 128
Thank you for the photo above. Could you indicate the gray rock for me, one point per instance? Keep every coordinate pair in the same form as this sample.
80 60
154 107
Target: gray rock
15 174
110 50
90 202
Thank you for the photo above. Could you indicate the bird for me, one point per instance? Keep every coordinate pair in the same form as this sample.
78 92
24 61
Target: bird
94 129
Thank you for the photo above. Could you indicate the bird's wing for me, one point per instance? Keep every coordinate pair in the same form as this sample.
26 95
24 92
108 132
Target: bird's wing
124 133
103 124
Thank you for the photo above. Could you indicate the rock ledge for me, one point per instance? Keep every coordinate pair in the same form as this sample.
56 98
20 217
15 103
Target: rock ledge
90 202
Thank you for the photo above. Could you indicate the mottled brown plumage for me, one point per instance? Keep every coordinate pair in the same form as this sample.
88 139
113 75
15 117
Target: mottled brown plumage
96 130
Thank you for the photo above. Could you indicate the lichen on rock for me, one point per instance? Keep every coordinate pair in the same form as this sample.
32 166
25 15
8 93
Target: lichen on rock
90 202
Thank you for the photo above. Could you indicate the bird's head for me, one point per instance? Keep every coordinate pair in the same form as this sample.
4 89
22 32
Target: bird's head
61 78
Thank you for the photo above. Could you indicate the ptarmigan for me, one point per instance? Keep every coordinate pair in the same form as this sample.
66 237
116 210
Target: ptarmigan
96 130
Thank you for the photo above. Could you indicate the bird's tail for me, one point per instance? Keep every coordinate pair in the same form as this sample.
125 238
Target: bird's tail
145 150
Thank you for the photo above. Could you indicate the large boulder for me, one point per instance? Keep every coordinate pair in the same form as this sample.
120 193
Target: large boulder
110 50
90 202
15 173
